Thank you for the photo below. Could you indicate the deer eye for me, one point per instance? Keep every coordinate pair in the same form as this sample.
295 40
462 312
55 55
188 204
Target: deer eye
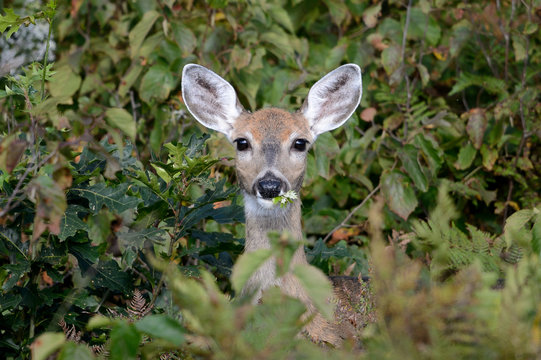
242 144
300 144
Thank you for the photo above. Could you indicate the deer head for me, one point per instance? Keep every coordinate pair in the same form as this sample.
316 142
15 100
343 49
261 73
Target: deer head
271 143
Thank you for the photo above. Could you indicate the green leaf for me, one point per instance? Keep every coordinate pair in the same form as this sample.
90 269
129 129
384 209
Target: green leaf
398 194
423 26
390 58
71 222
114 198
65 82
15 271
488 83
129 78
433 155
317 286
477 124
157 83
338 10
110 276
98 322
124 341
409 157
425 76
466 155
71 350
162 327
325 149
371 15
489 155
245 266
10 20
184 38
519 47
139 32
281 16
46 344
121 119
536 233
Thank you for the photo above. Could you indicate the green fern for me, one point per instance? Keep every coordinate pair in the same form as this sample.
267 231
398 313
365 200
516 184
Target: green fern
451 249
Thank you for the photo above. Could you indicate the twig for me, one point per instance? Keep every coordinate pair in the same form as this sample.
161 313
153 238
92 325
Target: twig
20 183
50 21
348 217
405 33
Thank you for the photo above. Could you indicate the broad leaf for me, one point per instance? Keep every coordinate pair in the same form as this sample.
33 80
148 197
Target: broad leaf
124 341
317 286
246 265
398 194
114 198
121 119
162 327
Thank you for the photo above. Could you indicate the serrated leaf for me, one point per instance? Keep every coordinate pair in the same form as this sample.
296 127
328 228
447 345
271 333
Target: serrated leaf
409 157
71 223
398 194
114 198
139 32
121 119
246 265
109 276
162 327
16 271
10 20
317 286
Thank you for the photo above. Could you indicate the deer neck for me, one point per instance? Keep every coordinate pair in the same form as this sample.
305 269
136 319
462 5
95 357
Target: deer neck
260 221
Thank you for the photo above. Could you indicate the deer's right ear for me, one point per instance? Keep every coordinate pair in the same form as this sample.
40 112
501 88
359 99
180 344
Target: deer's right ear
210 99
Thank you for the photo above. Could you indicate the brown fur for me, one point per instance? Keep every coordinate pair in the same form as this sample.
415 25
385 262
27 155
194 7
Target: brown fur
271 134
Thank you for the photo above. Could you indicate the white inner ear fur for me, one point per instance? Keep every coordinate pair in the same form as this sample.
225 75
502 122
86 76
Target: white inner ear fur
210 99
333 99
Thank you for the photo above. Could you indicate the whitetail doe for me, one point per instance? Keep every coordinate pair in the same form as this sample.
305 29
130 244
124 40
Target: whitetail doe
271 159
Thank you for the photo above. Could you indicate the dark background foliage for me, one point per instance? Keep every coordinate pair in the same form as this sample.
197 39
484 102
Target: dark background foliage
93 204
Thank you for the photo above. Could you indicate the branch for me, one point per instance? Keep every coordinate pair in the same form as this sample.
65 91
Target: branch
376 189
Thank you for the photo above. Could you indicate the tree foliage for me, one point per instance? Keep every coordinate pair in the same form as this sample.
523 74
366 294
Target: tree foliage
120 223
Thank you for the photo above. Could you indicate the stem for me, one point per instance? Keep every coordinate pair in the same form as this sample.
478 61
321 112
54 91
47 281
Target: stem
45 59
376 189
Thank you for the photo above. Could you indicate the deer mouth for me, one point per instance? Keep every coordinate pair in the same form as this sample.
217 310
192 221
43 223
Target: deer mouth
267 188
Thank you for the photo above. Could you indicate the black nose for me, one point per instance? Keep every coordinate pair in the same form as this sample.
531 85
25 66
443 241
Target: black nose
269 188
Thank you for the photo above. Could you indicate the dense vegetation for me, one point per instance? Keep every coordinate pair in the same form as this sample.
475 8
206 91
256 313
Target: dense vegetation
120 223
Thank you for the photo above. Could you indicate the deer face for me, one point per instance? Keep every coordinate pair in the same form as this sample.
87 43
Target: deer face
271 143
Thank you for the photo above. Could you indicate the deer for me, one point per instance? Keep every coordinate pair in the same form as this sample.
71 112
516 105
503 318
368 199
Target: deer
271 149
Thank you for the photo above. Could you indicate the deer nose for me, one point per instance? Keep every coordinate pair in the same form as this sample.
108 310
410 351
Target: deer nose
269 188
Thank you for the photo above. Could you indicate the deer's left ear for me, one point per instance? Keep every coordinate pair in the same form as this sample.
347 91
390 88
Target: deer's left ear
333 99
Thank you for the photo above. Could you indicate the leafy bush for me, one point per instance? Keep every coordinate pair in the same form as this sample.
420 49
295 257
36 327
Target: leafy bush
100 221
